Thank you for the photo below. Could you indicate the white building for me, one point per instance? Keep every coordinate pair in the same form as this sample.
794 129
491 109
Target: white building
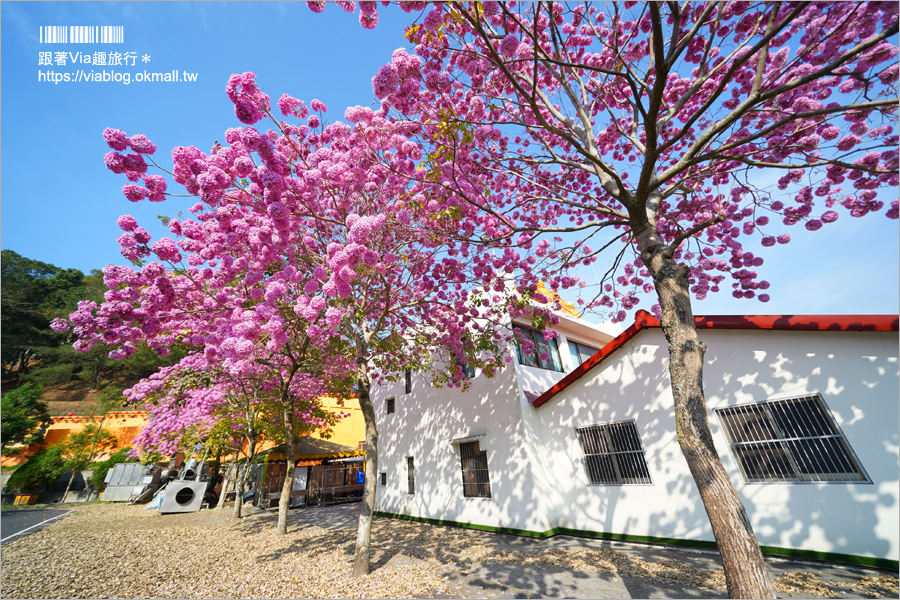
803 411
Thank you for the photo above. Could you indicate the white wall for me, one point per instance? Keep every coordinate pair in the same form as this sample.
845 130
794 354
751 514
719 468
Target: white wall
538 481
422 426
427 419
857 376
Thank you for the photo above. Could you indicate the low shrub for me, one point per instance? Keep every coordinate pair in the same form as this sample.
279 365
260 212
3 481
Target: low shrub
40 471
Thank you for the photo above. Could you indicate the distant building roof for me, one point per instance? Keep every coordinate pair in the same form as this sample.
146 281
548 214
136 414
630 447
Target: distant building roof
552 296
309 448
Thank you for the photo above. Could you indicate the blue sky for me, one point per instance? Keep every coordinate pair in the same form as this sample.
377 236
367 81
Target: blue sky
60 204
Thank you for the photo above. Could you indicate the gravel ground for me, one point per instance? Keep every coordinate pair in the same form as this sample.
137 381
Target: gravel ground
118 551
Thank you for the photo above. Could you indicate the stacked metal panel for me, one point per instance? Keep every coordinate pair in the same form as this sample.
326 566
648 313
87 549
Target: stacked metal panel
123 478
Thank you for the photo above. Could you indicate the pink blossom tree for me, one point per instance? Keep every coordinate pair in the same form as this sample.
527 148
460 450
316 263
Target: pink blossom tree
242 318
198 401
312 243
387 273
649 130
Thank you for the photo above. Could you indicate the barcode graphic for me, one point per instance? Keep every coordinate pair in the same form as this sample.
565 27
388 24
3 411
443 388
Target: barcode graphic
82 34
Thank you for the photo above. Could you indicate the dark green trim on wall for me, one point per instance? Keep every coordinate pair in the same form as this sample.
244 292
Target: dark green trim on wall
849 559
522 532
639 539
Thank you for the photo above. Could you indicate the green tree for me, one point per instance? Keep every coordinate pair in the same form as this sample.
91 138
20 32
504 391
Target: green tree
80 448
32 294
41 470
25 418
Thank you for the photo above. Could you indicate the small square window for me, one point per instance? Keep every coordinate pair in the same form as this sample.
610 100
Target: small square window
580 353
383 478
792 440
467 369
389 404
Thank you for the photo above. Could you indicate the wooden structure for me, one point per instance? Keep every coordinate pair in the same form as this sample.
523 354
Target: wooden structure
325 472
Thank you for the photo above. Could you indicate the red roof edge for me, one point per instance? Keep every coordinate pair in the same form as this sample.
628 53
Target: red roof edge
644 320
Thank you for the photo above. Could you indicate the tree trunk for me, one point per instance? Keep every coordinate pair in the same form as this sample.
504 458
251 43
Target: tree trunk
364 531
69 486
23 365
231 469
239 490
287 409
745 572
245 472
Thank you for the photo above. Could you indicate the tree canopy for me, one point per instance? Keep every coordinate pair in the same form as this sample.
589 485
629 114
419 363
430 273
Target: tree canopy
25 417
519 142
650 132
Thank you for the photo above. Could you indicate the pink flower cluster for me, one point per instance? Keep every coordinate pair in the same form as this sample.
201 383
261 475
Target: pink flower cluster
699 150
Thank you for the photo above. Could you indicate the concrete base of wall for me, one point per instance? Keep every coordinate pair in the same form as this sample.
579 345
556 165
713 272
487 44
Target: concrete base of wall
83 496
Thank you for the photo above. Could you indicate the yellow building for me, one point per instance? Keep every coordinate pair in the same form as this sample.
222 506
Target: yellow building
123 425
351 430
126 425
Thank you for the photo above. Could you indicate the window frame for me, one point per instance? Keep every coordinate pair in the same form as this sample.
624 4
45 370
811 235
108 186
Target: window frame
533 359
471 458
390 406
638 456
467 368
382 478
787 458
408 381
410 476
578 348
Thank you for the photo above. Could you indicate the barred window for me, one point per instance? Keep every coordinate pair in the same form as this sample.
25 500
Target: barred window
476 483
542 348
389 404
613 454
792 440
410 476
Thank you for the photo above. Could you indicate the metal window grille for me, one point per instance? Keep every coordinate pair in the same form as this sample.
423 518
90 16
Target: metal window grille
410 475
792 440
383 478
408 381
613 454
476 482
541 346
390 405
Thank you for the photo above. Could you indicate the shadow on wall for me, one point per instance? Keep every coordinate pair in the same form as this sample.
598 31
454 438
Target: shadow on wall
425 422
634 386
858 387
858 382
